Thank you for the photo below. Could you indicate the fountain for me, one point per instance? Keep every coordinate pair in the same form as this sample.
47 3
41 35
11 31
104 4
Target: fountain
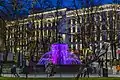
59 55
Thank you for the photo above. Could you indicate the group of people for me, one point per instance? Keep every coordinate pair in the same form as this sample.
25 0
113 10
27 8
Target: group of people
25 71
14 71
49 69
84 70
89 68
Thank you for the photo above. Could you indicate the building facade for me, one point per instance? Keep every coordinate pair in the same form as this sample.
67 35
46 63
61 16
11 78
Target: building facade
80 29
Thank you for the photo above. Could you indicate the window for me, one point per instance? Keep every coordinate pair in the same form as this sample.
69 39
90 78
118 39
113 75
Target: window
73 29
78 29
37 25
53 23
20 35
104 35
104 16
69 30
83 19
70 39
78 21
7 37
69 21
12 35
12 42
20 42
74 47
49 23
97 18
73 20
71 46
74 39
45 32
20 28
49 33
104 27
45 24
35 33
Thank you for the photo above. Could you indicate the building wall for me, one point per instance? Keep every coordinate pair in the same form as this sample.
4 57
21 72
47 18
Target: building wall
96 24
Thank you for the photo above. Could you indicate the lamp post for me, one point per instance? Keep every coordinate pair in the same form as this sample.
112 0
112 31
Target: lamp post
18 57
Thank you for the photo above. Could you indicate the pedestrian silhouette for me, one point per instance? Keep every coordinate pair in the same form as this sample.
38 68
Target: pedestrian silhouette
14 72
0 70
50 69
26 70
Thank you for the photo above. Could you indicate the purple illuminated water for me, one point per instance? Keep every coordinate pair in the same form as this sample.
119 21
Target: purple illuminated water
59 55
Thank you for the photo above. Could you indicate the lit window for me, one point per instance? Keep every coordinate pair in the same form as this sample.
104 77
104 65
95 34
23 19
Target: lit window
74 39
71 38
71 46
10 36
35 33
74 47
45 32
80 20
49 23
13 49
45 24
35 38
13 35
20 28
6 36
63 37
26 41
20 35
20 42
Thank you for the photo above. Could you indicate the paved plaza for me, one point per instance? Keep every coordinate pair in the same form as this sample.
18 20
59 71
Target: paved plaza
56 75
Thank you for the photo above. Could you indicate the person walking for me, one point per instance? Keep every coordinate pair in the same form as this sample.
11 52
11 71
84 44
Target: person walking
87 71
26 71
14 72
49 68
81 70
0 70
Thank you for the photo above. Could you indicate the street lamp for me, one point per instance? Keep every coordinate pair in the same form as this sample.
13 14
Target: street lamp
18 49
18 56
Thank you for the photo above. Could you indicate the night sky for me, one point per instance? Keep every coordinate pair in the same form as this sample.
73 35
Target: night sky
69 2
24 7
